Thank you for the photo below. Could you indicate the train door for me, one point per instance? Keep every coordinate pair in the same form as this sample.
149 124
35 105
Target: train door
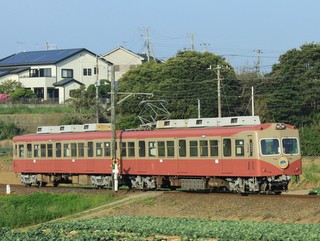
250 155
226 155
90 154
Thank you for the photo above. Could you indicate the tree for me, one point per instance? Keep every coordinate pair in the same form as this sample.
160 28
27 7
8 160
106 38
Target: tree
294 87
20 93
182 81
248 79
9 86
84 104
9 130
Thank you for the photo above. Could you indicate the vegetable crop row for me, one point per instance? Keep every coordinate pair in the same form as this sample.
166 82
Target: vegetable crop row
144 228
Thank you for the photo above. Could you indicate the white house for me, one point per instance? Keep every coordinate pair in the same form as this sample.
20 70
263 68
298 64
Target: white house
123 60
52 74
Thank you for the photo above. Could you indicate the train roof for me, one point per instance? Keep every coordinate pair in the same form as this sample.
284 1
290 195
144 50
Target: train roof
136 134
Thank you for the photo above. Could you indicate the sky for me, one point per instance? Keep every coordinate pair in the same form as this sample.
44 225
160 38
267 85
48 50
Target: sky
234 29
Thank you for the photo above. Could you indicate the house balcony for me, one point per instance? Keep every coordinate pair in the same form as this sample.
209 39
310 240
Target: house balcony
37 82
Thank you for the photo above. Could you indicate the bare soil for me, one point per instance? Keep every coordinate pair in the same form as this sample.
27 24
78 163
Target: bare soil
284 208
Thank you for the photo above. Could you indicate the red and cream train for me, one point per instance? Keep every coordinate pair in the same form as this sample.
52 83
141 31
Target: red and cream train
237 154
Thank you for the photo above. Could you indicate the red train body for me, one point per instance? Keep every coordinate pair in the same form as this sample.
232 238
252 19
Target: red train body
259 158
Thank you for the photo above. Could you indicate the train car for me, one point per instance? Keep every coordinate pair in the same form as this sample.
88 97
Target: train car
226 154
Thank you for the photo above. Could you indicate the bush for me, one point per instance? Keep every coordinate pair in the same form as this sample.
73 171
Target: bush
9 130
310 146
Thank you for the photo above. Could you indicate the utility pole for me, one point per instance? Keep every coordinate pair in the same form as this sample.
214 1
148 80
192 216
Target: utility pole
259 52
115 160
217 70
199 109
204 47
148 45
252 101
191 35
97 89
219 90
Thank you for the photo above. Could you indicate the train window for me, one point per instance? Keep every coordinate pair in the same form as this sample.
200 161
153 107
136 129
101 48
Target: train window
43 151
182 148
99 149
15 150
73 149
239 147
290 146
29 150
152 148
170 148
214 150
36 148
66 150
142 149
131 151
124 149
58 149
203 148
50 150
21 150
80 149
90 149
250 147
270 146
227 147
107 149
193 148
161 149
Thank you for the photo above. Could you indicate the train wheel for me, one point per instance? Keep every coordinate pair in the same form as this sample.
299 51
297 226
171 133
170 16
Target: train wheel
41 184
55 183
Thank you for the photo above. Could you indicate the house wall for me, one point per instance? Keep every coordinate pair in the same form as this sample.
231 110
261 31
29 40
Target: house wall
123 61
13 77
80 61
64 91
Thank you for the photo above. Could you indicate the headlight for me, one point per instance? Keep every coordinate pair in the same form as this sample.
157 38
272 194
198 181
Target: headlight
283 162
280 126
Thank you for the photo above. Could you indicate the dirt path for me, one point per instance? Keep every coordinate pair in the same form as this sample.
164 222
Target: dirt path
128 200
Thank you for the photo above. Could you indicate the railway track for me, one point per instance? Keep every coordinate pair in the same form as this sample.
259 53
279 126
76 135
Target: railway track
21 189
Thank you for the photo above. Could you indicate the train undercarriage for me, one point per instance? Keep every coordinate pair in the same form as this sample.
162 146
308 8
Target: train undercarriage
242 185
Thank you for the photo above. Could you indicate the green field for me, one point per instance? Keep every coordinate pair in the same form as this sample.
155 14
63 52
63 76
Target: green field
36 109
23 210
310 178
154 228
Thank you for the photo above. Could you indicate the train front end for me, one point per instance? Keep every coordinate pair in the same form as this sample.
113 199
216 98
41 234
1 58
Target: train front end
279 157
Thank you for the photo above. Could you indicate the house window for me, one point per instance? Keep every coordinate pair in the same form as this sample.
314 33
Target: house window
86 72
45 72
33 72
67 73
